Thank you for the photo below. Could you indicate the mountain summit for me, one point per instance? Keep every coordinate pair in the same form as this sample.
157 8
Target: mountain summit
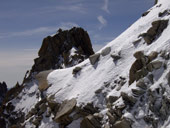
124 85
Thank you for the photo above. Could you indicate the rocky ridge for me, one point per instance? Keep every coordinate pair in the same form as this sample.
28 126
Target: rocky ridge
62 50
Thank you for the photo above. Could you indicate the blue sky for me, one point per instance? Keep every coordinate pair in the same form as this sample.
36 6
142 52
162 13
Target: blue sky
24 24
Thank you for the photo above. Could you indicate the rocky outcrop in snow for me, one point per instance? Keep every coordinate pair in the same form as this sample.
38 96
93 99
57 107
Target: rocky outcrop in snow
64 49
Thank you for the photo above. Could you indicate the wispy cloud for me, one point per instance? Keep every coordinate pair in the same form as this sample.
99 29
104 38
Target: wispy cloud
102 21
106 6
75 8
64 7
40 30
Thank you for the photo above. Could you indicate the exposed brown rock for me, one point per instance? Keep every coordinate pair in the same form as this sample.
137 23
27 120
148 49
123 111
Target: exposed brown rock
42 80
156 64
153 55
128 99
55 50
65 109
76 70
90 122
122 124
137 65
155 31
94 58
106 51
138 54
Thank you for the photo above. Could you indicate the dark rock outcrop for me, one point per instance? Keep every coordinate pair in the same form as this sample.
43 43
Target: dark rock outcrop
65 49
156 1
3 91
155 31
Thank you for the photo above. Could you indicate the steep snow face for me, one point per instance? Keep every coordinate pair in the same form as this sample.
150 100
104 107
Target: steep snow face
91 78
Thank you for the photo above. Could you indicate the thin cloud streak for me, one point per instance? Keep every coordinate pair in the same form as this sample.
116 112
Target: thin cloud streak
106 6
75 8
102 21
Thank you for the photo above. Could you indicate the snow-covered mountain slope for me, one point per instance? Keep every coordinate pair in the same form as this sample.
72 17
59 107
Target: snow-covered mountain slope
126 84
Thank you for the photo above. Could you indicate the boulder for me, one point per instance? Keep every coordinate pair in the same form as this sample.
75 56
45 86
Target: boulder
149 67
145 60
52 104
165 54
161 14
42 80
42 108
112 99
65 109
128 99
139 54
90 122
141 84
94 58
112 118
37 121
138 92
153 55
137 65
89 108
141 73
106 51
122 124
157 64
115 56
76 70
155 31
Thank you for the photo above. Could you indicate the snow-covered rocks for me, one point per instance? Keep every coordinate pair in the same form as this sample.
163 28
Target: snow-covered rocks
90 122
155 31
116 56
130 100
143 65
